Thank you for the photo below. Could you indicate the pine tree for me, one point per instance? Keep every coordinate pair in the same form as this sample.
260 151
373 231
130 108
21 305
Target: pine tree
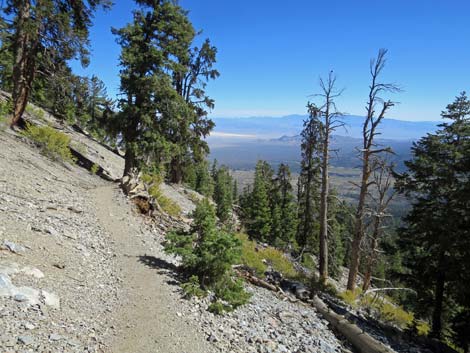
50 31
203 182
205 250
259 213
223 194
208 254
308 183
192 69
284 215
436 237
152 111
235 191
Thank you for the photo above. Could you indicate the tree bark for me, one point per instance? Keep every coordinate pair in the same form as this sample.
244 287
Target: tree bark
324 210
359 225
436 331
176 173
129 161
372 256
24 63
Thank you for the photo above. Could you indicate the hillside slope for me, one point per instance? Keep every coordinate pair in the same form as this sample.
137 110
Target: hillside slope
82 271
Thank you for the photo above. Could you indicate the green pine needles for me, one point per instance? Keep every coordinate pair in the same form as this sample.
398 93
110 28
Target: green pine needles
207 255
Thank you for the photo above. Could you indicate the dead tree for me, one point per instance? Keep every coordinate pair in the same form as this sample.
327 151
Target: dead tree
381 198
369 149
330 121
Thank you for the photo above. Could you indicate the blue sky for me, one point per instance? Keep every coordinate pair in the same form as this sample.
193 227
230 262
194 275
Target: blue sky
271 53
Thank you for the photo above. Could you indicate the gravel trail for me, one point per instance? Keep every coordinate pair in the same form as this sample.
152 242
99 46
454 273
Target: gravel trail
148 318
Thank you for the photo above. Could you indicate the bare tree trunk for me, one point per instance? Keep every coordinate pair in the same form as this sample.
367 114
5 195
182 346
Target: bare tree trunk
324 213
358 227
24 64
330 123
371 122
372 258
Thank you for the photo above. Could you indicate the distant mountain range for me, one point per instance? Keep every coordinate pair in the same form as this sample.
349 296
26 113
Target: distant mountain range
240 142
291 125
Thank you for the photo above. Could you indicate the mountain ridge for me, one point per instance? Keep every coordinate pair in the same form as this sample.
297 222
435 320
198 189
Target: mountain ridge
291 125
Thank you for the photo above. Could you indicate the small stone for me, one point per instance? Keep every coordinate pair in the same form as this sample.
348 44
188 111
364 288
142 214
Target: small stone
26 340
14 248
212 338
55 337
20 298
52 231
51 299
29 326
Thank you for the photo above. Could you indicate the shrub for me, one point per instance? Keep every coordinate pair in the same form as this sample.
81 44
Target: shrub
350 297
422 328
256 258
192 288
5 110
396 315
53 143
153 182
218 307
35 111
94 168
279 262
208 254
232 292
250 255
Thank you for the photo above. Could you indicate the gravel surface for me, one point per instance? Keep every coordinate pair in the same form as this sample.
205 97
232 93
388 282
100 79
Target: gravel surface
81 271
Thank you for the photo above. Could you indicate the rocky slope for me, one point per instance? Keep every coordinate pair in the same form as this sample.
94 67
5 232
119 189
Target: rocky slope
82 271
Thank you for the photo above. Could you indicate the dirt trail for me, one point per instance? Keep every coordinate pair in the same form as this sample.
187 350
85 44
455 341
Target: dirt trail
148 318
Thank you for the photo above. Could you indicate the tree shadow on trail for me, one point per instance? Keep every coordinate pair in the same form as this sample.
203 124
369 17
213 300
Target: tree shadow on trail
164 268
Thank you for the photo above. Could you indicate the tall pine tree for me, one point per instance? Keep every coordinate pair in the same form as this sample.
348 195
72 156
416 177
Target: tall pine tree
309 182
436 236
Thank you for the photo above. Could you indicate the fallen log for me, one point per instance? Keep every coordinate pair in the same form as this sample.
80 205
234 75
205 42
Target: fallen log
360 340
257 281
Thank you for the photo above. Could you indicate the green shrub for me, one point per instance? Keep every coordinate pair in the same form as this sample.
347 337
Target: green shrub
208 254
94 168
153 182
250 255
422 328
232 292
255 258
387 311
396 315
35 112
192 288
6 109
309 262
53 143
218 307
350 297
279 262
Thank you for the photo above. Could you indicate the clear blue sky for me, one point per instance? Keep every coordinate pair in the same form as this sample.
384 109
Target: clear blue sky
271 53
